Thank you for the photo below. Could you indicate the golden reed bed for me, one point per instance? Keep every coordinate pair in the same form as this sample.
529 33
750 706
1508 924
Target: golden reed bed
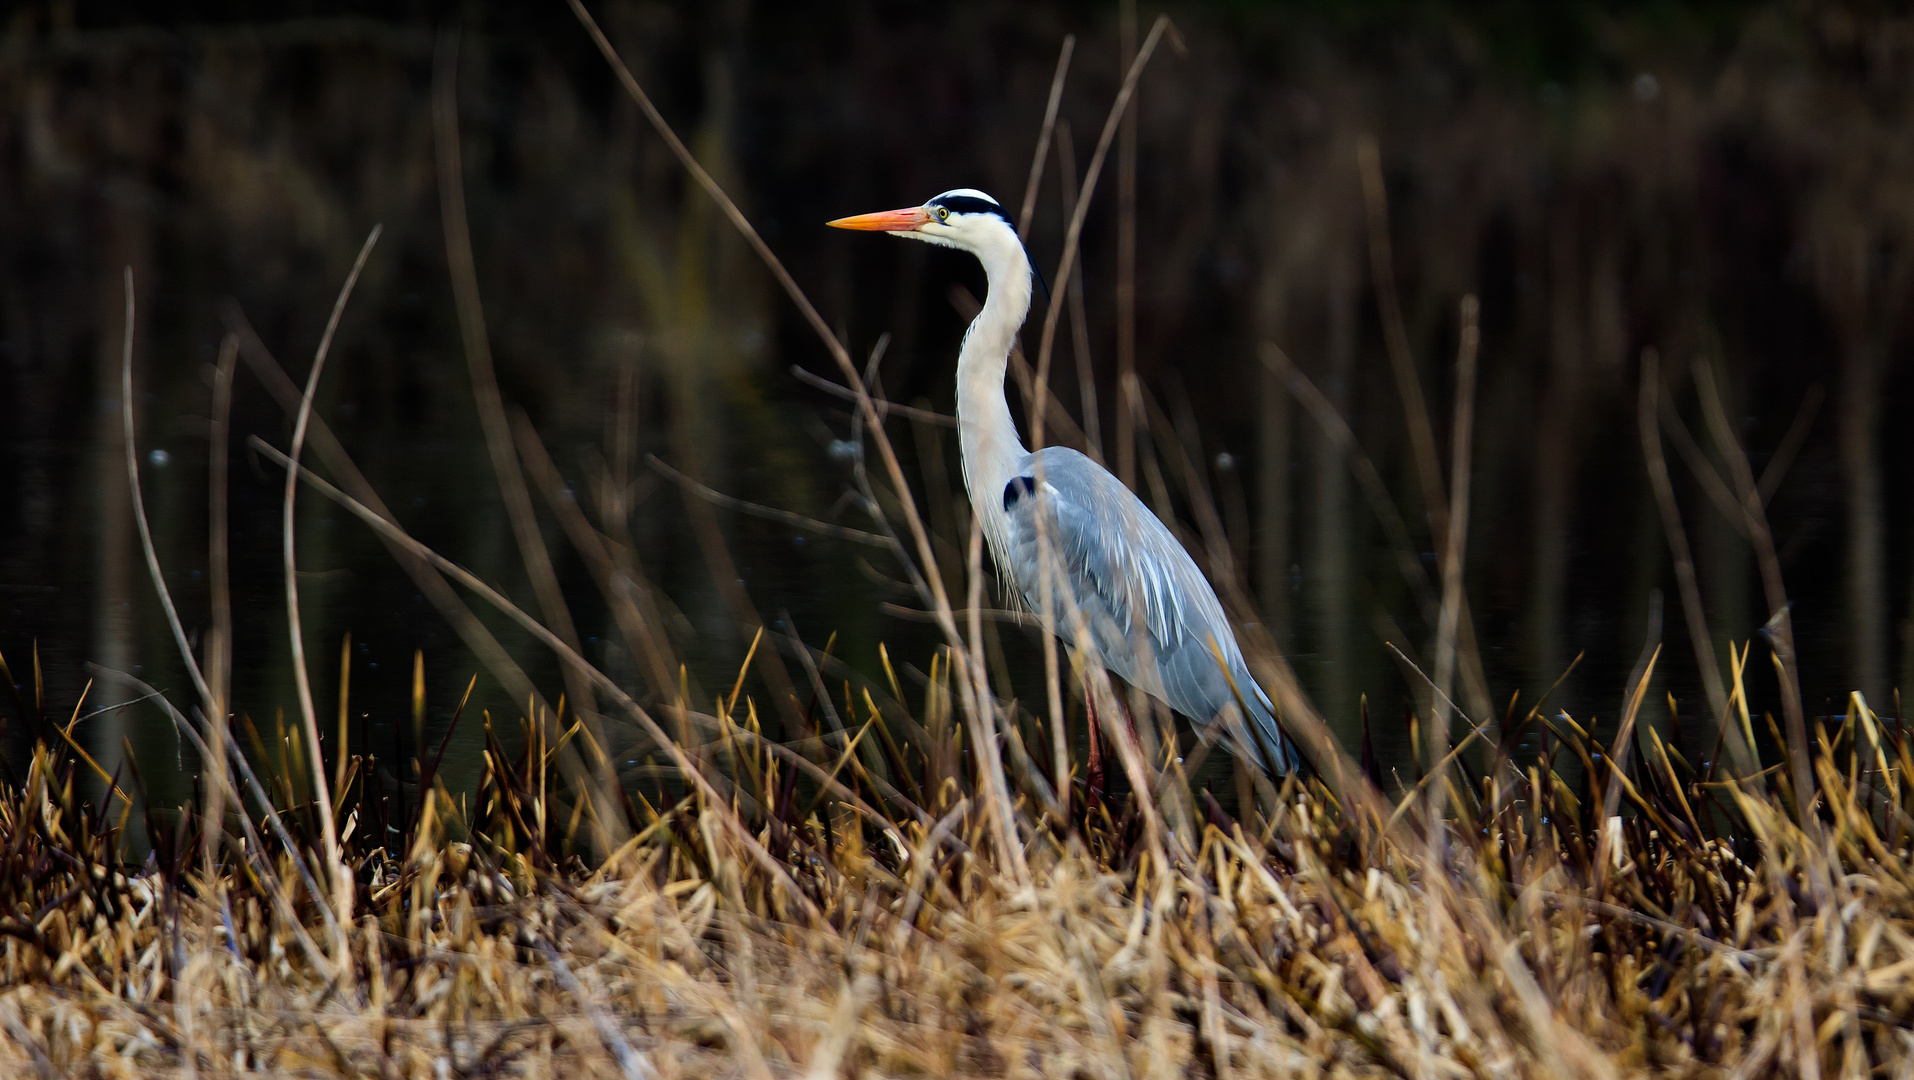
1699 930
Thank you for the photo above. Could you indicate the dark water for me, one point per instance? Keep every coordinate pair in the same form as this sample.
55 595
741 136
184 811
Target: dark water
1719 191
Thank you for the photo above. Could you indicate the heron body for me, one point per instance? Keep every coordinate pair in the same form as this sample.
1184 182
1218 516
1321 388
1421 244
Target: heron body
1121 587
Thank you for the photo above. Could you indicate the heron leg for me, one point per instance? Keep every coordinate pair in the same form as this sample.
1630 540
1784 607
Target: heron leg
1093 775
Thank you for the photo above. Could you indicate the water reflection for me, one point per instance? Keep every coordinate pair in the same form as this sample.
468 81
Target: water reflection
1712 219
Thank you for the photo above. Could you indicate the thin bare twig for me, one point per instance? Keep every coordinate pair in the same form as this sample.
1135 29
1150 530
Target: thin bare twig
1079 318
1648 416
1038 391
1704 470
1074 233
1625 743
1455 544
1402 362
769 513
1791 443
219 641
139 503
1780 622
322 791
1043 135
884 408
1127 412
1009 616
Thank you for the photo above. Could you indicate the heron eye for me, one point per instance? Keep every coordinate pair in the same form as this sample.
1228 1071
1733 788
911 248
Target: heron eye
943 213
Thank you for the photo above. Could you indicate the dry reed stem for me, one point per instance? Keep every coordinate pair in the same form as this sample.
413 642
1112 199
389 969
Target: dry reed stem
884 408
219 638
1043 135
1453 547
1648 416
139 502
1074 232
1128 55
302 680
1052 680
1079 318
1401 360
1780 623
769 513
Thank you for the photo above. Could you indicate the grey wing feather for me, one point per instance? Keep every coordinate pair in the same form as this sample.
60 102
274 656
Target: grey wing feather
1151 616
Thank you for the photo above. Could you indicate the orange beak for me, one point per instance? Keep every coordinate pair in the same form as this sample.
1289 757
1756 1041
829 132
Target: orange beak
905 220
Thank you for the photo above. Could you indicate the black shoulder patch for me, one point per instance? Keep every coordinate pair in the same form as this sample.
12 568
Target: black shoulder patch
1017 489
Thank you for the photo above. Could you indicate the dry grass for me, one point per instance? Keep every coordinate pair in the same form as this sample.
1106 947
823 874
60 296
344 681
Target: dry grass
1547 942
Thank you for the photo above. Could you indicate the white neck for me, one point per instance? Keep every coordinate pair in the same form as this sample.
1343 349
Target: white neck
986 433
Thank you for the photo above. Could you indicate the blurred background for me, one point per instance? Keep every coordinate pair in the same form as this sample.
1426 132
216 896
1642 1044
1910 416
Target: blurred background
1728 185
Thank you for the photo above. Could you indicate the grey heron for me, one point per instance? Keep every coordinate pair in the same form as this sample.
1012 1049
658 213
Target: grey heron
1119 577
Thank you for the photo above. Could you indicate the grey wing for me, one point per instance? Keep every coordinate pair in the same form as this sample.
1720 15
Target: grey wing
1121 576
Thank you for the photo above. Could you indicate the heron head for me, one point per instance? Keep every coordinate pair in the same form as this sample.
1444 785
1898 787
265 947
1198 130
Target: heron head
964 218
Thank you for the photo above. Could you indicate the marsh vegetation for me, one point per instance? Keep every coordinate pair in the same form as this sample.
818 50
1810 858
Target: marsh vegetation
678 725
